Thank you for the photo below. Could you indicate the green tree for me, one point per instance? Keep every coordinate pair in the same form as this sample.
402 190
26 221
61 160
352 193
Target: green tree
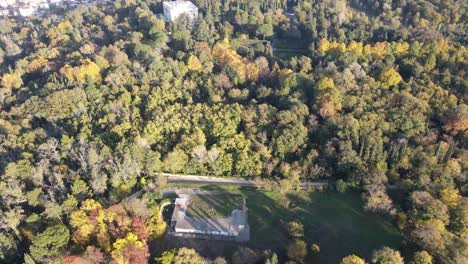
175 161
266 30
297 250
387 255
203 31
421 257
167 257
7 247
459 219
49 243
187 256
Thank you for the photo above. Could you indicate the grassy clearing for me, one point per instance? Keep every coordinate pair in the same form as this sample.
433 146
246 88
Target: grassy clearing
214 206
336 222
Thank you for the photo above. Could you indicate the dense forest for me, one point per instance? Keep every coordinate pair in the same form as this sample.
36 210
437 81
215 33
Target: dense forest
369 95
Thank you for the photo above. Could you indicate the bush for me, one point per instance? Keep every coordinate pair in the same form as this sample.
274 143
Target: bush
315 248
295 229
341 186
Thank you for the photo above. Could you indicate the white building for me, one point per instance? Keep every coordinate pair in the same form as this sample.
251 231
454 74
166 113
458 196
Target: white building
27 11
174 9
7 3
55 2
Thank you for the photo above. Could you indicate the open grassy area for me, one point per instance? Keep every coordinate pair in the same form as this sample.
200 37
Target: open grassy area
336 222
214 206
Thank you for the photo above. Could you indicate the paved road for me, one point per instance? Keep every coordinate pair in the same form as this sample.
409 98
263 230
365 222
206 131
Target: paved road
208 180
289 50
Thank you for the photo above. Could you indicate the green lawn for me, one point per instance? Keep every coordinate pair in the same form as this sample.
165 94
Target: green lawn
214 206
336 222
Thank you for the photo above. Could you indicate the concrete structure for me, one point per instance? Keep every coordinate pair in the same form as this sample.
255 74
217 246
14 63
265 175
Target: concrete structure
228 227
174 9
27 11
7 3
28 8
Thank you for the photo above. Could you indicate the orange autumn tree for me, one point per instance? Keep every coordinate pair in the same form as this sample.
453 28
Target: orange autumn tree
37 64
244 69
327 97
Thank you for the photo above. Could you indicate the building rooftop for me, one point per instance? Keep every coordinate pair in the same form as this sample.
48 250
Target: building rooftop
229 226
180 4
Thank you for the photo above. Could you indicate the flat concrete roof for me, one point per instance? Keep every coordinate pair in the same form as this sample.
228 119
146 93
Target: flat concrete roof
224 226
180 4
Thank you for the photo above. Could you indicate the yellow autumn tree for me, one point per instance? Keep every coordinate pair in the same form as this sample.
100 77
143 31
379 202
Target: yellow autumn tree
355 48
11 81
450 196
129 239
337 47
251 71
379 50
352 259
86 69
89 69
64 26
389 77
443 45
324 45
193 64
155 225
401 48
453 167
83 228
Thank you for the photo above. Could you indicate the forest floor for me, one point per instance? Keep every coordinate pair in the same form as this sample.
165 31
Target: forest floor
336 222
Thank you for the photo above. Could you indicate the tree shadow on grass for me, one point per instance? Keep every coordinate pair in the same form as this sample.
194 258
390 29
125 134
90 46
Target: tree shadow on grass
340 226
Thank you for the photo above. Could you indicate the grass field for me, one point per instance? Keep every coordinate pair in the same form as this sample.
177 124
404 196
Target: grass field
336 222
214 206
